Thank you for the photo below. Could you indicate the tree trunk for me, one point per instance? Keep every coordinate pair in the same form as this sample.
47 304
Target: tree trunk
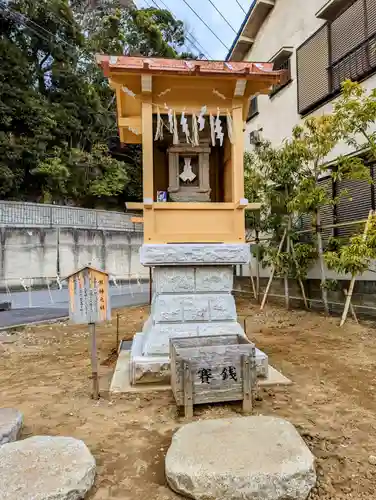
288 250
324 291
271 277
349 294
300 281
257 266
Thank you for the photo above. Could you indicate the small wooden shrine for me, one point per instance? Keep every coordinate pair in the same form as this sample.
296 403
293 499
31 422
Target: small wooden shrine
189 117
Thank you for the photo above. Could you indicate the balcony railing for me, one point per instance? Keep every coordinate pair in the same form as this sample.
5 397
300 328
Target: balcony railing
286 76
342 49
355 65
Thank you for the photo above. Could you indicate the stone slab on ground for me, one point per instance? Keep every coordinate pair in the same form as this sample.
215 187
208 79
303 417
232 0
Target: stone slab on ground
121 380
249 458
46 468
10 425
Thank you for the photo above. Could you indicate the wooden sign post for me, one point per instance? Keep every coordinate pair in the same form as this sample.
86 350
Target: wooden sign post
89 302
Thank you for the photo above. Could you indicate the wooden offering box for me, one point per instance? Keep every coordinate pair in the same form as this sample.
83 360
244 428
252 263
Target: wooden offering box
212 369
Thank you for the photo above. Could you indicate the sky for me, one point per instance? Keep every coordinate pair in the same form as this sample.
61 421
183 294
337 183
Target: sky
216 49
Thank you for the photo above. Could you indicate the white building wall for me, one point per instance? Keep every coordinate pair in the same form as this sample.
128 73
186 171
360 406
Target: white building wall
289 24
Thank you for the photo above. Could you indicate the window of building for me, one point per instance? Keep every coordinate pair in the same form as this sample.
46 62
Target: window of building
253 108
344 48
282 61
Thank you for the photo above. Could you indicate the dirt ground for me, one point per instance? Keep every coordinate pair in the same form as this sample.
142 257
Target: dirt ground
45 372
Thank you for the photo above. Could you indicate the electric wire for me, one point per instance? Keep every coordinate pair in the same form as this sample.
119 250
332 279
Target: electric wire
198 47
241 7
191 45
222 16
204 51
203 22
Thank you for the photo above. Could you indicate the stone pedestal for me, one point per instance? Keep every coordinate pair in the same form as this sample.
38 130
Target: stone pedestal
192 296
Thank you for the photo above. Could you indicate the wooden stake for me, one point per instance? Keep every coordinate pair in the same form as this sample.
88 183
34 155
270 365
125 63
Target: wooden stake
247 384
299 279
117 330
353 313
272 273
150 286
252 281
249 380
286 279
94 360
188 391
324 291
353 278
257 266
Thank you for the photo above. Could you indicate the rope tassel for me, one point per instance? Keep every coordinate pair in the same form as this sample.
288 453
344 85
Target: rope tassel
195 135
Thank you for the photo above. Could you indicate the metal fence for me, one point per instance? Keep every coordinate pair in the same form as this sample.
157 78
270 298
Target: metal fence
20 214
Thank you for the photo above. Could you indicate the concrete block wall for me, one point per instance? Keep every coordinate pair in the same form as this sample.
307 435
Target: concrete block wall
33 254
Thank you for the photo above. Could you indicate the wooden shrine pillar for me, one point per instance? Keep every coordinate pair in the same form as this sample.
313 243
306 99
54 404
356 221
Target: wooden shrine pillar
237 152
147 139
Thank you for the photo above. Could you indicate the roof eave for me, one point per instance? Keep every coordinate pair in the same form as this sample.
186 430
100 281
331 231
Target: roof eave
252 22
114 65
332 8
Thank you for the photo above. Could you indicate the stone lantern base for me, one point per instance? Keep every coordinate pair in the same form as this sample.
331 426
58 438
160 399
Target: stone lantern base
192 296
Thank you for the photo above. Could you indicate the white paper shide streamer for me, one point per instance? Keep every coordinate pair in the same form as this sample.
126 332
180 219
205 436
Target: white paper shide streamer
175 139
218 129
170 115
201 118
212 128
230 129
159 129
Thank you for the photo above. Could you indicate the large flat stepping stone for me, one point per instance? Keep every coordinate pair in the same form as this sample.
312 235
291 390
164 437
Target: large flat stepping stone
249 458
10 425
46 468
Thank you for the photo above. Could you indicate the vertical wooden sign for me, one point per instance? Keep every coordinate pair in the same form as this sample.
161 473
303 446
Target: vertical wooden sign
89 302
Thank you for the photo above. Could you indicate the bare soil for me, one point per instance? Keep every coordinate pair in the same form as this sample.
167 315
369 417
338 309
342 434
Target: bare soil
45 372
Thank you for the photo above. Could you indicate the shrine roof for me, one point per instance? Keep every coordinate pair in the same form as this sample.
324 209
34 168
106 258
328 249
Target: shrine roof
156 65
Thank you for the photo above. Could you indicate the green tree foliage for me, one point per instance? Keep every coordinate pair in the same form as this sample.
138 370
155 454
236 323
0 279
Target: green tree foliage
57 112
355 113
289 178
272 178
356 256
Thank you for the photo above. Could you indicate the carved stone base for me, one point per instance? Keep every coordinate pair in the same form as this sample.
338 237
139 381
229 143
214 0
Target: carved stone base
193 285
